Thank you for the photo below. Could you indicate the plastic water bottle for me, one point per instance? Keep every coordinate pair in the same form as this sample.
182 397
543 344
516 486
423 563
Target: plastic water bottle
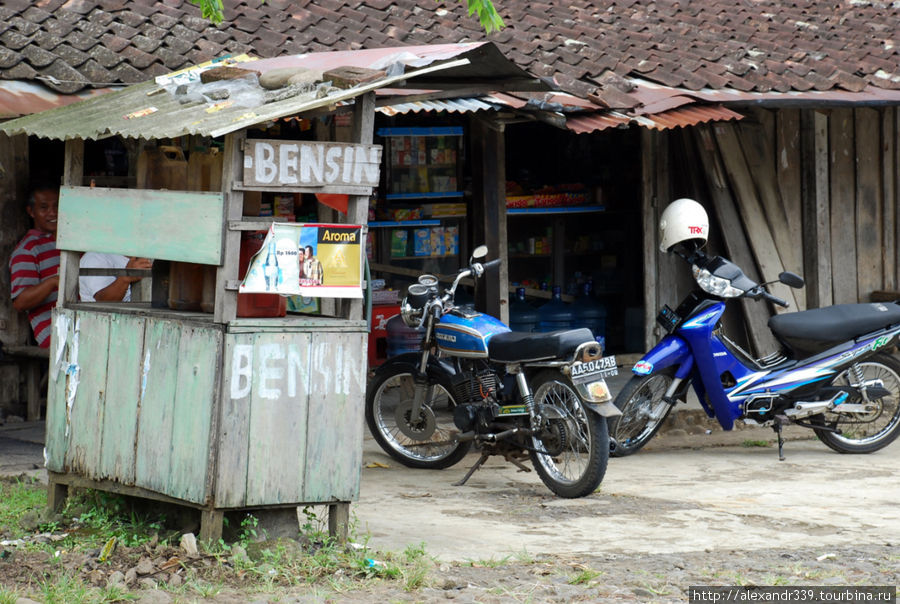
555 314
588 312
522 315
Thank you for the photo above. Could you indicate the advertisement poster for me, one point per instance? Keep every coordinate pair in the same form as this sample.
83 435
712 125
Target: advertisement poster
311 260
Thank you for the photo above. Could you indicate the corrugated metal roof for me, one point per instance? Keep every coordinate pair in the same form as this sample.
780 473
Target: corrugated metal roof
675 118
19 97
461 105
149 111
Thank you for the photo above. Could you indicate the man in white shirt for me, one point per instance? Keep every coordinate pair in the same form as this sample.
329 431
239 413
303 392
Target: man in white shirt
108 289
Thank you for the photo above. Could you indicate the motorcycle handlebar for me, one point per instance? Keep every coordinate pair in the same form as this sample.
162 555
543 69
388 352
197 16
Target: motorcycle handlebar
775 299
491 264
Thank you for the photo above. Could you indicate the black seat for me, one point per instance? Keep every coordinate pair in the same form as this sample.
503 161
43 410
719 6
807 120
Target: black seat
517 347
812 331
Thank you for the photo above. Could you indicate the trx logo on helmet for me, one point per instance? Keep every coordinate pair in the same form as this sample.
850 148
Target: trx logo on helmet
695 230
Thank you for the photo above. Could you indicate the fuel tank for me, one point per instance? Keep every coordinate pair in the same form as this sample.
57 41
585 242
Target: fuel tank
466 333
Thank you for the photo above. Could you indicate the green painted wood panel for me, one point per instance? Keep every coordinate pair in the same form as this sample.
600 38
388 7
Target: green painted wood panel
55 437
91 338
234 424
159 366
123 385
333 457
168 225
195 391
278 430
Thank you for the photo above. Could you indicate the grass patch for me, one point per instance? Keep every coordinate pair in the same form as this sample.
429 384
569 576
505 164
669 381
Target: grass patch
756 443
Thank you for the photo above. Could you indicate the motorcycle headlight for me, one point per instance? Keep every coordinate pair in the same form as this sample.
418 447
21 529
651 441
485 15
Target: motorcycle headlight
716 286
417 296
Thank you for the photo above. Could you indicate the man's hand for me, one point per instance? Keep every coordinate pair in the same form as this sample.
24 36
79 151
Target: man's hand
34 295
134 262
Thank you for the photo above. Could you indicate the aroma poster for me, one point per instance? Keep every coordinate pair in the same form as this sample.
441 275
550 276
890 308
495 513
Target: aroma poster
312 260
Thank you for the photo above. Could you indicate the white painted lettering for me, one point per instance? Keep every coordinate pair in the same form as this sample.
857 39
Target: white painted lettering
332 161
348 164
241 364
296 368
312 163
287 164
268 371
264 169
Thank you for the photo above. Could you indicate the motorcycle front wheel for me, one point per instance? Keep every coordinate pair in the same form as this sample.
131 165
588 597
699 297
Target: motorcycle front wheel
643 412
874 430
426 441
571 457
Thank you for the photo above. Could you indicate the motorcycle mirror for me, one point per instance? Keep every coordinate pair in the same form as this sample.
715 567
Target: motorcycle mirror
479 252
791 279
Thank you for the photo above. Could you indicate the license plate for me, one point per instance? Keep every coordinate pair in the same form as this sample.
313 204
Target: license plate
593 370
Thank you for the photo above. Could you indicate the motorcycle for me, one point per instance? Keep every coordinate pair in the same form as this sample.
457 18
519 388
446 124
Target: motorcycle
477 384
832 374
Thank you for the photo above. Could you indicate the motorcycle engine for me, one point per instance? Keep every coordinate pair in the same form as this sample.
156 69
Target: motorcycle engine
476 397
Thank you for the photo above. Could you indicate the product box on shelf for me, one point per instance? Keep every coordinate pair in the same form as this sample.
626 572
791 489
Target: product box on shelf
422 242
451 240
399 242
438 247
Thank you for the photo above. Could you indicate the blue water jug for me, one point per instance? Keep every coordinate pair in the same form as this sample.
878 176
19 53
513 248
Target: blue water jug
522 315
555 314
589 312
401 338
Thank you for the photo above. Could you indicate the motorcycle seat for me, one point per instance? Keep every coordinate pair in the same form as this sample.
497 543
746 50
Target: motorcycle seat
519 346
812 331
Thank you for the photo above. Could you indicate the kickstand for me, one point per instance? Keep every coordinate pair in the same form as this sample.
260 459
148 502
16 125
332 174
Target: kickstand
478 464
777 427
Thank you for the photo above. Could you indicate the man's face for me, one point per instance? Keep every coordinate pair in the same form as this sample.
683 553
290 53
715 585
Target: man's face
44 212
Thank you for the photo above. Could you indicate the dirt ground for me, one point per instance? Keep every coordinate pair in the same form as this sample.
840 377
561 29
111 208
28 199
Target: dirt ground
691 509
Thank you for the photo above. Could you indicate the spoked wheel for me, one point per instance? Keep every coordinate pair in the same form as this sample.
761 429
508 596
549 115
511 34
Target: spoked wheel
424 441
574 449
875 429
643 412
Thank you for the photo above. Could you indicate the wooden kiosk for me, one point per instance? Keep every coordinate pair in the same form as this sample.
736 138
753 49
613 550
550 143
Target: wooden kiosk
205 410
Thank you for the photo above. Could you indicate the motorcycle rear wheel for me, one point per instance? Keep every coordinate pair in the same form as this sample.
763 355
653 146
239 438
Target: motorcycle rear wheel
581 450
424 442
872 431
643 412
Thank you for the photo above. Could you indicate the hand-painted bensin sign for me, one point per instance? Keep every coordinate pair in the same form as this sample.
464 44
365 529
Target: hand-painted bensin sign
273 163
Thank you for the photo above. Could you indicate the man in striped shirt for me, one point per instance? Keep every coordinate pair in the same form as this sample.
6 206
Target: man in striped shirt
34 265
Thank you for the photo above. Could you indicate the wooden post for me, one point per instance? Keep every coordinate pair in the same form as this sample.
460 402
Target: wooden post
225 309
489 208
339 521
816 208
650 250
869 228
73 175
842 174
211 525
889 192
358 206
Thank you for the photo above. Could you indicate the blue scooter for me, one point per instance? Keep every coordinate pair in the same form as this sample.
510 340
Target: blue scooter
833 374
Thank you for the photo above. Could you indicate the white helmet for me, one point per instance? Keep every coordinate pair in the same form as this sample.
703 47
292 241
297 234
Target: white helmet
682 220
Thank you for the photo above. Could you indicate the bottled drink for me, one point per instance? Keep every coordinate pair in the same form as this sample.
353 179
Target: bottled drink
270 266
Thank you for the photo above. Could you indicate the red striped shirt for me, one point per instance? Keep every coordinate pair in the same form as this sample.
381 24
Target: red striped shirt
34 260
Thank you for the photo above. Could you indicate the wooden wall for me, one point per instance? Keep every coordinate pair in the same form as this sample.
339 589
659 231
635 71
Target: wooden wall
812 191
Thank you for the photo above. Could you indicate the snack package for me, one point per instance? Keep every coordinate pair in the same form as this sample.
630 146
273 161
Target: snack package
399 241
422 242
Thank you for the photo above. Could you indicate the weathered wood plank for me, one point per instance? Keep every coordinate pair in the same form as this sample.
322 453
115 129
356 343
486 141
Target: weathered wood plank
842 181
86 413
889 197
736 244
159 366
73 175
278 428
869 227
131 221
333 459
358 205
233 440
650 248
121 411
816 208
762 243
758 143
56 430
787 167
226 300
197 377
